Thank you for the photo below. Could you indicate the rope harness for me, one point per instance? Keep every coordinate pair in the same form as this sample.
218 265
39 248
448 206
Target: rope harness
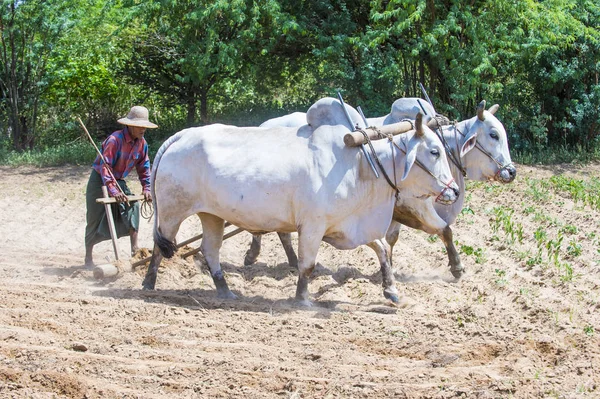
390 139
501 166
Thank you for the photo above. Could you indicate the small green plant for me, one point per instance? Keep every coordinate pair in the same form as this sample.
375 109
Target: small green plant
569 229
529 210
503 220
467 211
501 280
432 238
553 248
574 249
567 275
588 330
478 253
533 261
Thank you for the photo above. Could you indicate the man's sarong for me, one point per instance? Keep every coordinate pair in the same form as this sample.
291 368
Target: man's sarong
126 217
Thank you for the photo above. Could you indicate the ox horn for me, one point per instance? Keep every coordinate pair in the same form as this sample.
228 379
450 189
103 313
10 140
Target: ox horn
493 109
419 124
480 109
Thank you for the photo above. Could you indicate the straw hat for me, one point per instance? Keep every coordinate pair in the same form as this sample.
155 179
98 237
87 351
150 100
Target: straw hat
137 116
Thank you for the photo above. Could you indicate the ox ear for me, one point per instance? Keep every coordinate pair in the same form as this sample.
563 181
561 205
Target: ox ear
480 109
469 144
493 109
411 154
419 124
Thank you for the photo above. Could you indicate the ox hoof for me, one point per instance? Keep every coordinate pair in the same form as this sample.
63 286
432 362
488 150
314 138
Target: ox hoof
249 259
391 295
148 285
303 303
89 264
226 295
458 272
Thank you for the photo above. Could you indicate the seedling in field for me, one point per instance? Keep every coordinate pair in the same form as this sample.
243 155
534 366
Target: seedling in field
538 190
569 229
503 220
477 252
574 249
501 280
568 272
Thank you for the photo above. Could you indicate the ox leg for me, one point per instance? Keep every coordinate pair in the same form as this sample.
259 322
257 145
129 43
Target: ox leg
286 241
151 274
391 236
454 262
308 247
254 250
168 231
213 228
384 254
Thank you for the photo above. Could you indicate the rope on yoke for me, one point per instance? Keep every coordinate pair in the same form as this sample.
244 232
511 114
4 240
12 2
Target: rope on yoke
455 158
387 178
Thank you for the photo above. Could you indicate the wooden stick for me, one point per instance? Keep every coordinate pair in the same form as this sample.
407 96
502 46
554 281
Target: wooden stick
354 139
101 156
179 245
112 200
111 223
226 236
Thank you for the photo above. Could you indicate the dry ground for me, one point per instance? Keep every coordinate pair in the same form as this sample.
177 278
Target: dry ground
517 325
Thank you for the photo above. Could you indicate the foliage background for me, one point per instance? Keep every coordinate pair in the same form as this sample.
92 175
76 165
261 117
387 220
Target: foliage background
244 61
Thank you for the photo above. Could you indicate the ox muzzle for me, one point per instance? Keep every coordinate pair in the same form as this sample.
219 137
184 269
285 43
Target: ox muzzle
506 174
449 194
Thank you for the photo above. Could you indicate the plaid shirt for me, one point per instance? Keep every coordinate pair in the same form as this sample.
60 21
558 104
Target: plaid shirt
123 153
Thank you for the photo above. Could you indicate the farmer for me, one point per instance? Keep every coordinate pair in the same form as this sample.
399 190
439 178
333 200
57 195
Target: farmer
123 150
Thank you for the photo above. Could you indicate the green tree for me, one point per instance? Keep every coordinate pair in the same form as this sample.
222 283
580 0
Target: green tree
29 31
188 48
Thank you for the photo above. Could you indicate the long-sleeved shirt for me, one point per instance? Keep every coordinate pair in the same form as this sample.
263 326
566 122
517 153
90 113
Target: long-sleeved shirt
122 154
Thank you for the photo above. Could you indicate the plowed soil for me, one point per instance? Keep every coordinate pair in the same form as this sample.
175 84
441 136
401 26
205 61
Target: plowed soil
523 322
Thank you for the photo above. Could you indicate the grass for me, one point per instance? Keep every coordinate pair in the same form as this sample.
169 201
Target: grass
76 153
554 155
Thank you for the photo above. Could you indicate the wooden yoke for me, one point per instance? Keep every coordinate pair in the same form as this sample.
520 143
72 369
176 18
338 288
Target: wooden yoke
354 139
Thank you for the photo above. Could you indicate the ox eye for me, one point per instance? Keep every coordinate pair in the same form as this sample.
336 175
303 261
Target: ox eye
494 135
435 153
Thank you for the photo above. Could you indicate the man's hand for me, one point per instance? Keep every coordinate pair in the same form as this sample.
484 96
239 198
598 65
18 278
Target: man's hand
120 197
147 196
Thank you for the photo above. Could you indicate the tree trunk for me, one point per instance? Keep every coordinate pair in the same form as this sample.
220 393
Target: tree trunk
204 106
190 119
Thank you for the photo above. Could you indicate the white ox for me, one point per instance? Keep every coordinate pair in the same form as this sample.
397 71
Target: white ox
288 179
479 148
294 119
406 108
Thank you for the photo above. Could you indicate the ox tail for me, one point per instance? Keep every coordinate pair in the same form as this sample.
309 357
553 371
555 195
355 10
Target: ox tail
167 247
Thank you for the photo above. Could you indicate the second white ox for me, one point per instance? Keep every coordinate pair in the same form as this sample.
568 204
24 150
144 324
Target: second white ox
288 179
479 151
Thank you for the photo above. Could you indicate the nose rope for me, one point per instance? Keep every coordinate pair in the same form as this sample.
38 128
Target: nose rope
444 190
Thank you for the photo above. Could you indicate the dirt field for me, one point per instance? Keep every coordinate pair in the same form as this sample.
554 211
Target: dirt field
523 322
